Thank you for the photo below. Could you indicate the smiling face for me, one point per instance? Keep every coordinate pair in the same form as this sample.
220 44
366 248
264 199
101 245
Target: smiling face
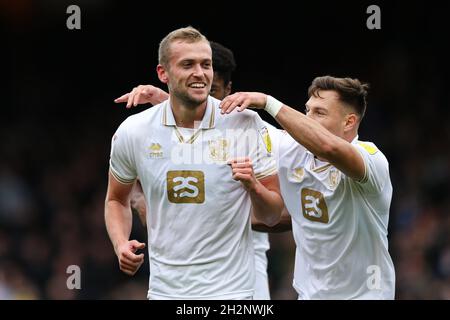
327 109
189 72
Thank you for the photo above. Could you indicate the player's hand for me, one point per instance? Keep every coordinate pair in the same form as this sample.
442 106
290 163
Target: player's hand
143 94
242 101
242 170
129 262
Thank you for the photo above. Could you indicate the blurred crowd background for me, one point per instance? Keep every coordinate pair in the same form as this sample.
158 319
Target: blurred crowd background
58 117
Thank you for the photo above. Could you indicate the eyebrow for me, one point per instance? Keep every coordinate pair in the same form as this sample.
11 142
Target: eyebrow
186 60
193 60
315 107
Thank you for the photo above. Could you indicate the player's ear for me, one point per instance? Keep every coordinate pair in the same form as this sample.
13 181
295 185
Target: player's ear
162 73
351 120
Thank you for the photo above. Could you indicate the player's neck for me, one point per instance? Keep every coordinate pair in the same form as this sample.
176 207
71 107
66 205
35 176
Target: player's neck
350 136
187 116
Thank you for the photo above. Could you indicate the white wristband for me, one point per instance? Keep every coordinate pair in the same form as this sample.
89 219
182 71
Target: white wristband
273 106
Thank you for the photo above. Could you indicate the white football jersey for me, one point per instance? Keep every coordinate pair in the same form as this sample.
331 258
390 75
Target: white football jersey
261 239
339 224
200 244
261 245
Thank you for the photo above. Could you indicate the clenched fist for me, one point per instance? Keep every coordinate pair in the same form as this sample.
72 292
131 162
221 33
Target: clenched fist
242 170
129 262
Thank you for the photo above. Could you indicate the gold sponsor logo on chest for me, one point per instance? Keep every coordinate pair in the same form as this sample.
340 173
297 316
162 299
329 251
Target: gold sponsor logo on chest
314 207
186 186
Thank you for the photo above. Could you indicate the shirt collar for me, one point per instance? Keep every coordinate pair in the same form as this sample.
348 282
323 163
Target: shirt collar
208 121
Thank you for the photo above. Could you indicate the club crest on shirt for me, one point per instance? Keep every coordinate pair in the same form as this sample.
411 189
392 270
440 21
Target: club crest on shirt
266 139
155 150
218 149
334 177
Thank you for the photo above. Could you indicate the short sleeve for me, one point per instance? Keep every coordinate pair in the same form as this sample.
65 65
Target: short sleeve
262 156
121 161
275 137
376 167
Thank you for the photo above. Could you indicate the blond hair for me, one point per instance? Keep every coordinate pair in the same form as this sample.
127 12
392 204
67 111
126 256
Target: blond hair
188 34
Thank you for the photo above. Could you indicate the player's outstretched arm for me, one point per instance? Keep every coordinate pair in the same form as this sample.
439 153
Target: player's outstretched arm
306 131
118 219
267 202
143 94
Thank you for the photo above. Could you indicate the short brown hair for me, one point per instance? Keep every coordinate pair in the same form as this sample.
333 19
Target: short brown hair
351 91
188 34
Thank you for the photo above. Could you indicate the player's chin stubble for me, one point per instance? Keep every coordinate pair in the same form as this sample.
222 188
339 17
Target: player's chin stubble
189 101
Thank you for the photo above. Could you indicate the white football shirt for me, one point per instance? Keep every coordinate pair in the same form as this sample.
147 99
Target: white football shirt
261 239
200 244
339 224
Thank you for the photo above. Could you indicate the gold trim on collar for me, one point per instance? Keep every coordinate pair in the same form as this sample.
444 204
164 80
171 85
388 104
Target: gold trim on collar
194 136
165 116
322 169
191 139
179 135
312 166
211 119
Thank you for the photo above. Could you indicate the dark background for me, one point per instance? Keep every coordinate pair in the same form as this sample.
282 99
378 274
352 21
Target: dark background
58 116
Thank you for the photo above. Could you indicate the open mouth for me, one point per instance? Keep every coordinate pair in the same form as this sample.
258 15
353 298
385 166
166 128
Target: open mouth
197 85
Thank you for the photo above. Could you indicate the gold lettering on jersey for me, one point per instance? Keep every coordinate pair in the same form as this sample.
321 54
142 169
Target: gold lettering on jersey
186 186
155 150
314 207
369 148
298 174
218 149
